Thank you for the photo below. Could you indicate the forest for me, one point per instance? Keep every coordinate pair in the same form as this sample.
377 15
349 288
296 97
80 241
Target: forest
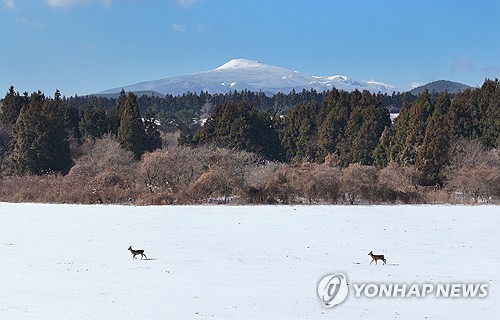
245 147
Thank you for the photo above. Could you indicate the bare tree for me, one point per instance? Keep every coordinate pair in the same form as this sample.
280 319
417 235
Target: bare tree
474 171
359 182
171 170
395 183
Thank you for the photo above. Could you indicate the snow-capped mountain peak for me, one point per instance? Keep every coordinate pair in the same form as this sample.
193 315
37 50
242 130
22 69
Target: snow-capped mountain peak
240 64
241 74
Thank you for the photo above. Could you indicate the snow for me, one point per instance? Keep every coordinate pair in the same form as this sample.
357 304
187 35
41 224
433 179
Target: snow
240 64
232 262
253 76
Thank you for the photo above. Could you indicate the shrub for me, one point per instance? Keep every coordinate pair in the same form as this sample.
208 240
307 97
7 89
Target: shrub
474 171
359 183
395 184
170 170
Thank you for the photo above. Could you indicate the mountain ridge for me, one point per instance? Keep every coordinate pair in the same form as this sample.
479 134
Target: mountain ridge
251 75
241 74
441 86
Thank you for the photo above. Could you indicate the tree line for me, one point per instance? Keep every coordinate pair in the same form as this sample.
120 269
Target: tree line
174 112
37 130
438 140
355 127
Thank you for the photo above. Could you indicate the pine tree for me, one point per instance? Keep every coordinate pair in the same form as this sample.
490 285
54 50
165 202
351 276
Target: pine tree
24 156
299 133
265 136
332 130
72 120
41 139
237 126
233 125
381 156
131 134
357 101
114 114
400 132
12 105
152 138
419 114
93 123
489 122
375 118
55 154
432 155
460 118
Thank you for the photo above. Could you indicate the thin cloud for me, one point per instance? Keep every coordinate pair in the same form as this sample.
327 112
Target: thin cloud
186 3
30 23
491 70
179 28
72 3
10 4
191 28
64 3
461 63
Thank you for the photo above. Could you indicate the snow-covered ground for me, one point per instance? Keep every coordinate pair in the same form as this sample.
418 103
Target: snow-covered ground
253 262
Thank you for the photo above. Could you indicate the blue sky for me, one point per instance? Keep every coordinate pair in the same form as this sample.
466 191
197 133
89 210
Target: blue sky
87 46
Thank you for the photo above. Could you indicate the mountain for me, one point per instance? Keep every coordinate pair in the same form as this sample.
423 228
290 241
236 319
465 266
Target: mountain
441 86
240 74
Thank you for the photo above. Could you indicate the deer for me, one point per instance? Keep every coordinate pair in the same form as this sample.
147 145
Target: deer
136 253
376 257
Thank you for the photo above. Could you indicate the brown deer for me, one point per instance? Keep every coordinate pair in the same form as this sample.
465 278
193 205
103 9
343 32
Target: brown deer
376 257
136 253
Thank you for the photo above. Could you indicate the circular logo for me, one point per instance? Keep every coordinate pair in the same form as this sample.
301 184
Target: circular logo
332 289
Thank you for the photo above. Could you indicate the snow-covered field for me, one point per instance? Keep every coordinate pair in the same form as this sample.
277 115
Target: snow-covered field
254 262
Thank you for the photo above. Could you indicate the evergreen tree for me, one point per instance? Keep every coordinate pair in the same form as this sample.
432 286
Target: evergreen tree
233 125
41 139
332 130
72 120
114 114
93 123
331 99
24 156
265 136
400 132
53 142
12 105
375 118
152 138
131 134
432 155
357 101
237 126
419 115
489 122
381 154
299 133
460 118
